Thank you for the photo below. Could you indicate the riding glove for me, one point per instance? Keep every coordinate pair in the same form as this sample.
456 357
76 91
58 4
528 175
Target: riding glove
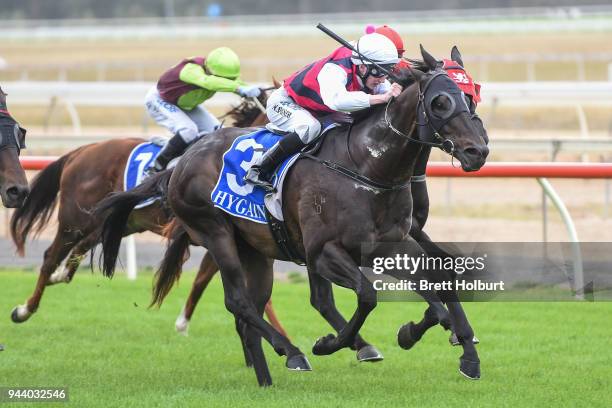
249 91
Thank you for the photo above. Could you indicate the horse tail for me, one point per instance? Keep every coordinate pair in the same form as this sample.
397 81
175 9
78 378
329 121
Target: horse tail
172 265
113 213
38 207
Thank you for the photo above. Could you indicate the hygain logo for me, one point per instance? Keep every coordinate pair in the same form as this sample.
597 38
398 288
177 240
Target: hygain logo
232 179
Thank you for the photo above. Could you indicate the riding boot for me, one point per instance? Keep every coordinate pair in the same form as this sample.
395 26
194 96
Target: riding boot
174 148
259 174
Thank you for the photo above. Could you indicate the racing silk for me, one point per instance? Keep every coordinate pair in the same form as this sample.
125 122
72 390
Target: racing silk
187 84
304 86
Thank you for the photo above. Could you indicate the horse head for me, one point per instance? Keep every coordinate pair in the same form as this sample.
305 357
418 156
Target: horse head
445 118
13 183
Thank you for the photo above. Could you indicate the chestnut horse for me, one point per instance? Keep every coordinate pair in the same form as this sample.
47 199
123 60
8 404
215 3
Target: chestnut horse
429 112
13 183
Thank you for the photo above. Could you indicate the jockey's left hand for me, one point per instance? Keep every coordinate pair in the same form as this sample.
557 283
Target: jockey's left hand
249 91
396 89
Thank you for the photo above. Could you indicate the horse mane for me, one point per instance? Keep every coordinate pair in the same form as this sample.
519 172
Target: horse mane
245 113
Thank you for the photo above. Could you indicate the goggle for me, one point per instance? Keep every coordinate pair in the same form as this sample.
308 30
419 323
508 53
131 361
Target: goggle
379 73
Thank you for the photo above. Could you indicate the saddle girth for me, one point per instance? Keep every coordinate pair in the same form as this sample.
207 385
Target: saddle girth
282 239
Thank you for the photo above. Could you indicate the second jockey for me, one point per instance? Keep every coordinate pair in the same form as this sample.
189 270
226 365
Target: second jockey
175 102
341 82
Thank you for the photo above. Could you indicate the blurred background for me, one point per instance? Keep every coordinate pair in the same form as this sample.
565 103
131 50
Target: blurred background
77 72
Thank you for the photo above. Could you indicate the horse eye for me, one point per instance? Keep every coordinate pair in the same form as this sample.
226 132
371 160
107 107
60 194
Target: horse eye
438 102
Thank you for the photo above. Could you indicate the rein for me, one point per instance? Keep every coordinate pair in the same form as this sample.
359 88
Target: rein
356 176
445 145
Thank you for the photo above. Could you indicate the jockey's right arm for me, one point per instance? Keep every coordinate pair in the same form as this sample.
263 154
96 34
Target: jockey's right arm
332 83
194 74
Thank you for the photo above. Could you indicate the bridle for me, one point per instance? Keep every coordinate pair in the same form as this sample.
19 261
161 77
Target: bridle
429 124
11 134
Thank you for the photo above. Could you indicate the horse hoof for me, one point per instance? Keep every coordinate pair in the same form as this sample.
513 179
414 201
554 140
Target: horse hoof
1 347
454 341
404 336
470 369
369 353
20 314
324 345
182 326
299 362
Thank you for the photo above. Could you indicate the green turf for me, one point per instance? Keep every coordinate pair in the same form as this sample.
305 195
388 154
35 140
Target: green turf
98 338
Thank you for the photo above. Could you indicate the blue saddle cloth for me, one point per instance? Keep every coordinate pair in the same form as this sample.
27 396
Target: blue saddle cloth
140 160
232 194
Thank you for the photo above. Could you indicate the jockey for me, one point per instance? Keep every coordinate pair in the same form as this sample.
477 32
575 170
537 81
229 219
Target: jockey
175 102
341 82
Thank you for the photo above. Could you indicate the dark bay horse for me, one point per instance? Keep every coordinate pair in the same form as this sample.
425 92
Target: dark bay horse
420 214
13 182
430 111
85 176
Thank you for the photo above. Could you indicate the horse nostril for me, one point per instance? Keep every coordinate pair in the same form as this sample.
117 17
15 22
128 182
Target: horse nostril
477 151
17 192
472 151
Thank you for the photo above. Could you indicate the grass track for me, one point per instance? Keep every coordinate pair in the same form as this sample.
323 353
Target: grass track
98 338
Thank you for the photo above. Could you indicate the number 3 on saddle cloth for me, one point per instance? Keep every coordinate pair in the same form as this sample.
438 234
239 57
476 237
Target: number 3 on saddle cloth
244 200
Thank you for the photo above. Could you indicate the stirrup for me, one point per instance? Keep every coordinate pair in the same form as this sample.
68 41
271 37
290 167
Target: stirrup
256 181
150 171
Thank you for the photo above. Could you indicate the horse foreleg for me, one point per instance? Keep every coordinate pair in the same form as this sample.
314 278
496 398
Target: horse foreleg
271 315
433 250
410 333
469 364
334 263
54 255
322 299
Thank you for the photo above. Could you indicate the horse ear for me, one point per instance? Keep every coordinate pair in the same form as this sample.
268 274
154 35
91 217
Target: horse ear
276 83
429 59
2 98
456 55
418 75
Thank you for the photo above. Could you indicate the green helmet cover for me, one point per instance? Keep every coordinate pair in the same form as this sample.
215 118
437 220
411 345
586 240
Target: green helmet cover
223 62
